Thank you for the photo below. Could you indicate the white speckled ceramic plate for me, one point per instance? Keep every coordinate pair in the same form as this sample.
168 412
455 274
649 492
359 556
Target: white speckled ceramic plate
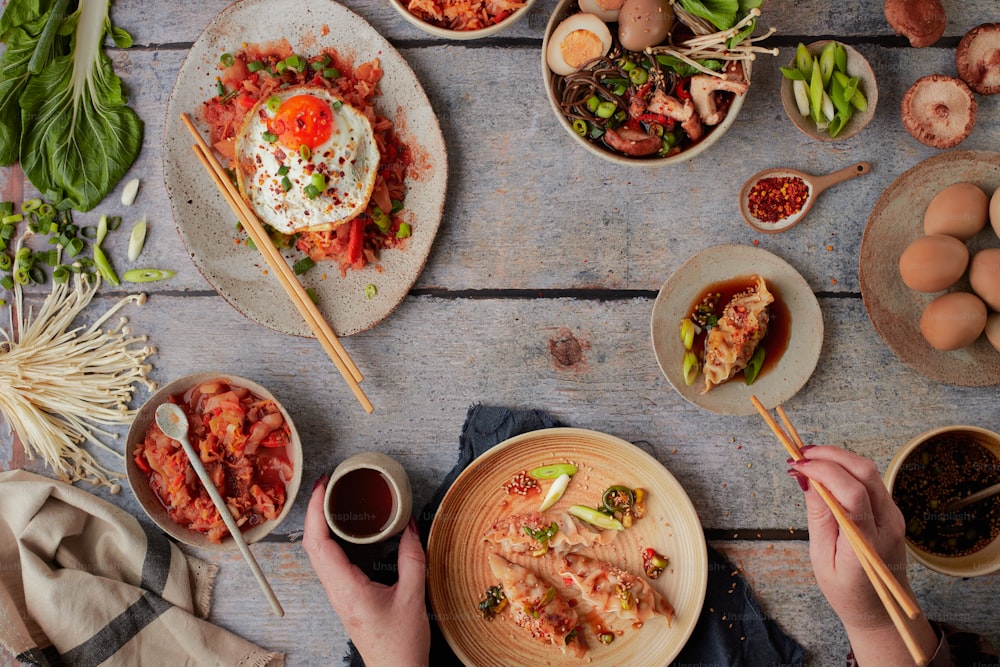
459 573
776 384
206 224
895 309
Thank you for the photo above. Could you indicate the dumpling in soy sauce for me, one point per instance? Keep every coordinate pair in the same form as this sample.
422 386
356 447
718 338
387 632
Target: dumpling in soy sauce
742 326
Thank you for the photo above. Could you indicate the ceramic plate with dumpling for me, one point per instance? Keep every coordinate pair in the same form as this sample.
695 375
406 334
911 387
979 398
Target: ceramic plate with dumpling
478 542
792 343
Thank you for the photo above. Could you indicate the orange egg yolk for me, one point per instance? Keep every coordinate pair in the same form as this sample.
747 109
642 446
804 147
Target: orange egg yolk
303 119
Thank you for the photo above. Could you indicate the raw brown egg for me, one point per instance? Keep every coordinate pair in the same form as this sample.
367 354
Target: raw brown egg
933 263
644 23
960 210
984 274
953 320
993 330
995 211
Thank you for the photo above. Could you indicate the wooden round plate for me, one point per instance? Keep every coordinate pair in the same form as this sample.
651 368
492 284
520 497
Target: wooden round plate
458 572
894 308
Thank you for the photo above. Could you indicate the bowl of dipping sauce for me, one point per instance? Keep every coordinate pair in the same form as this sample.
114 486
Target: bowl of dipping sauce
930 473
368 498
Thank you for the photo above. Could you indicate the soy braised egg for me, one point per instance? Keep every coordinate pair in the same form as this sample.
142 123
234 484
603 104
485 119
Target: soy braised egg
606 10
577 40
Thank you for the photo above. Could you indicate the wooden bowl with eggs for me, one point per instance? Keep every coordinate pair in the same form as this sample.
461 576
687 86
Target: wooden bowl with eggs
930 268
625 30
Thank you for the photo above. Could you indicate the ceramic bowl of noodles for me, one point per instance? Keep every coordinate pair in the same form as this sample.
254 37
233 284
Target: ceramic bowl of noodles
462 19
621 84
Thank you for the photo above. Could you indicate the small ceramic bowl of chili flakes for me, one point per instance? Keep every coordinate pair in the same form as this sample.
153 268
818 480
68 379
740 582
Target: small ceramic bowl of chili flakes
248 445
928 478
462 19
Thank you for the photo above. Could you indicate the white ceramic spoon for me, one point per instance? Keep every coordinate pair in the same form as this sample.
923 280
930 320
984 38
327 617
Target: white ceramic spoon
174 424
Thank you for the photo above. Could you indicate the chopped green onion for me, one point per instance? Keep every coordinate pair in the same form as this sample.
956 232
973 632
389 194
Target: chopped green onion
638 76
687 333
6 208
370 291
37 275
7 282
595 518
30 205
321 63
114 222
331 73
580 126
129 192
381 219
273 103
286 183
280 67
255 66
337 104
312 295
46 211
146 275
12 219
6 262
269 137
690 367
593 102
304 152
102 230
283 170
303 265
219 88
88 232
397 206
311 191
136 239
104 266
606 109
226 59
552 471
74 247
404 231
52 257
556 492
22 277
293 61
318 181
60 274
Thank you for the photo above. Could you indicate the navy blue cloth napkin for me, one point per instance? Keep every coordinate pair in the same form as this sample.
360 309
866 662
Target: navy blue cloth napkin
732 629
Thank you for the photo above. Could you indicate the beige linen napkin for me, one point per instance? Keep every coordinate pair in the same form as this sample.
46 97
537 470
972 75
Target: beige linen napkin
82 582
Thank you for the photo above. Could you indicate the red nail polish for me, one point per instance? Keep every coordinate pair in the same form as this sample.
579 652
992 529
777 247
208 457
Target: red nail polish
323 479
801 479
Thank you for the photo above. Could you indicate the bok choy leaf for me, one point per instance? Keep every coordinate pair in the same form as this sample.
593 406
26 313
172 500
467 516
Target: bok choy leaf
69 124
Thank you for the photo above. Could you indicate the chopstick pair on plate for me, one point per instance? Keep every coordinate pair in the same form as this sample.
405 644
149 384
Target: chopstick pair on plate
300 298
900 606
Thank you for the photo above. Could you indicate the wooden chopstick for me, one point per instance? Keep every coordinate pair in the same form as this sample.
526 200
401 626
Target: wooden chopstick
302 301
897 602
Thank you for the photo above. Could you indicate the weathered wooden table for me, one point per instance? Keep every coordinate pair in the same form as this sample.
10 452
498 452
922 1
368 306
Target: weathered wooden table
543 247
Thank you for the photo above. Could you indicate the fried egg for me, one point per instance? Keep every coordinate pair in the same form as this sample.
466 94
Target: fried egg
306 160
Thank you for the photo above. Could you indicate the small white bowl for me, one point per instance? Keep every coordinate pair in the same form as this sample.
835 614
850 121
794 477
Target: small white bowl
983 561
445 33
857 66
148 499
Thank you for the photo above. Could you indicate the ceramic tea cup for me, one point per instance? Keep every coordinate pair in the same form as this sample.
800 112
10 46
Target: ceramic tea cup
368 498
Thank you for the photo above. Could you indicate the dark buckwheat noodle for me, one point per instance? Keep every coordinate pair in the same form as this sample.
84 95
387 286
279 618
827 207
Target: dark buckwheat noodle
573 90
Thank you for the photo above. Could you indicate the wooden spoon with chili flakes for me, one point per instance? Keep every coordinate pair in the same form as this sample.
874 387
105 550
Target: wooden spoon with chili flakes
774 200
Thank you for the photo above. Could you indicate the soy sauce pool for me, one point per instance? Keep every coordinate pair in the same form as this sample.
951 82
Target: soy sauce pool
362 502
779 326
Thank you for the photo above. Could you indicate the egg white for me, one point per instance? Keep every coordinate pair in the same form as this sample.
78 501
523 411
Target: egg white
349 159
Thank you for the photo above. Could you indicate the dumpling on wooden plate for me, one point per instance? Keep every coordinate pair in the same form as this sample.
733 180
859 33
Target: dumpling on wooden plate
536 606
613 592
742 326
533 533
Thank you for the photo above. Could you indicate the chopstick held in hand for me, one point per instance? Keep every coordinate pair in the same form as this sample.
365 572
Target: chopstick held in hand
897 601
302 301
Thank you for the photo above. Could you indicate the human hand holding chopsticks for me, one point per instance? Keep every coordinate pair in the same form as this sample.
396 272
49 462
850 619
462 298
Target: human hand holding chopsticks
855 482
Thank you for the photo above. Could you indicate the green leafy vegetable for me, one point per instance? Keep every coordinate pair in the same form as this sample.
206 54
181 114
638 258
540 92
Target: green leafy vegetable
723 14
62 110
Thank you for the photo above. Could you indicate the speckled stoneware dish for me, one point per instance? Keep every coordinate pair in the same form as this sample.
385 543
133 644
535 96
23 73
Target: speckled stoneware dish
139 482
776 384
564 9
205 222
458 572
894 308
857 66
413 19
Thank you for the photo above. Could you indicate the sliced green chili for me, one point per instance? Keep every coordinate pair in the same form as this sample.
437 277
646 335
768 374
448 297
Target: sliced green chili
255 66
397 206
226 59
304 152
370 291
303 265
331 73
381 219
404 231
311 191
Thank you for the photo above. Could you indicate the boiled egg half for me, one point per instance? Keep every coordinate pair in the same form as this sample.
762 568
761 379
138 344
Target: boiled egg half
577 40
306 160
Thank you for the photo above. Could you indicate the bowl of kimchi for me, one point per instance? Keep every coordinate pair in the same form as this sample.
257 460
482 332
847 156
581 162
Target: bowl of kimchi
462 19
248 444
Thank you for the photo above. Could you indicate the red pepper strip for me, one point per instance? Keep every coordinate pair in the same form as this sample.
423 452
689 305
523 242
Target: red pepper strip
140 461
356 241
658 118
501 16
683 88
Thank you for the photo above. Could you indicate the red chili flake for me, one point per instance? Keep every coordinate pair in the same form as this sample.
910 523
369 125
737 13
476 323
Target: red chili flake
776 198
